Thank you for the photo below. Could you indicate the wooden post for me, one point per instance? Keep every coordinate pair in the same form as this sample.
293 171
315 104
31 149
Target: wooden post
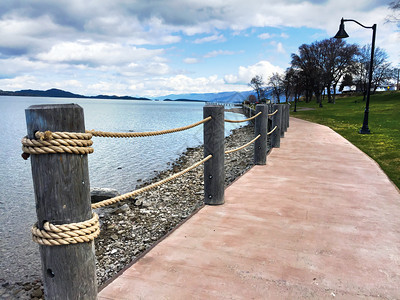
214 171
288 114
261 127
286 117
62 194
276 121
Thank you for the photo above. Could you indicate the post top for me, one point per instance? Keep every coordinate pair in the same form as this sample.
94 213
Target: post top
53 106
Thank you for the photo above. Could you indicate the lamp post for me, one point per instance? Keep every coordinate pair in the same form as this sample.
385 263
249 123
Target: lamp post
343 34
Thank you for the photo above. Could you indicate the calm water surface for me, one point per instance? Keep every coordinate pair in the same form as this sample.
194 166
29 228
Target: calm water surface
115 163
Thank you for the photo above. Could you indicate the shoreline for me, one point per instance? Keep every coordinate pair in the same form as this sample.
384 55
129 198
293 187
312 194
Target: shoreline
132 227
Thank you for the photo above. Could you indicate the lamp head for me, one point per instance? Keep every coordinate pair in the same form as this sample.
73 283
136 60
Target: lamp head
341 34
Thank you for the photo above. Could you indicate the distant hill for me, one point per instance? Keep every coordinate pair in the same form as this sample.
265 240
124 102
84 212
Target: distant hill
223 97
63 94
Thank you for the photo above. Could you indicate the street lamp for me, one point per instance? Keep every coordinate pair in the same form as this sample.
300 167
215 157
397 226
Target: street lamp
343 34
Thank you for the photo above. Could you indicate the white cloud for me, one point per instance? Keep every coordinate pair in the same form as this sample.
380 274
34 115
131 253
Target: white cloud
284 35
215 53
279 48
97 53
265 36
191 60
211 38
245 74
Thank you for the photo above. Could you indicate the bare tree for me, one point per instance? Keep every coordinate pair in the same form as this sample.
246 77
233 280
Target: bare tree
309 63
395 17
276 81
337 57
381 69
257 83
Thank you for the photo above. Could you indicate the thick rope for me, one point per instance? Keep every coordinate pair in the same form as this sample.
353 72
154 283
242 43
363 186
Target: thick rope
272 130
244 146
269 115
149 187
73 233
58 142
143 134
239 121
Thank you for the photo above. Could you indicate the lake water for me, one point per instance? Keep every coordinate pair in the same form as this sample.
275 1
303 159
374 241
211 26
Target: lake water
115 163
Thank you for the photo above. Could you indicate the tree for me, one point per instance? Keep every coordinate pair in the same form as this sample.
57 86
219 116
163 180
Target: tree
289 83
347 81
308 62
337 57
257 83
395 17
276 82
381 71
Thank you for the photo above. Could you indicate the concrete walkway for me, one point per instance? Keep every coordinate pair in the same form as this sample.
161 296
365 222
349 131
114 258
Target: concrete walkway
319 221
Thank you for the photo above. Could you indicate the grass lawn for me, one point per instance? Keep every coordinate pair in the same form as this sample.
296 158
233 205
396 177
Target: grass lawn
346 118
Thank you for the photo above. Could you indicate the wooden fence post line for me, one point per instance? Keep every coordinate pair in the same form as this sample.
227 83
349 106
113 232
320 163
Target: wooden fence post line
62 195
276 121
261 128
214 168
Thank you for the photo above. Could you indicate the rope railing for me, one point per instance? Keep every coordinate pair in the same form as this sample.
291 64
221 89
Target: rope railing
149 187
244 146
239 121
70 118
271 114
269 133
144 134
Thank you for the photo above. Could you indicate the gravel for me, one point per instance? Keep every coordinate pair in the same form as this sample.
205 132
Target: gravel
131 227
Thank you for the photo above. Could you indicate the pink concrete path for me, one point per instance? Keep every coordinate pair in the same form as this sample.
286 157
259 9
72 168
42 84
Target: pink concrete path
319 221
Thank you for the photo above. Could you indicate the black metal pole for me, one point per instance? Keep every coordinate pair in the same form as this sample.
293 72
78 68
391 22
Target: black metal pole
364 129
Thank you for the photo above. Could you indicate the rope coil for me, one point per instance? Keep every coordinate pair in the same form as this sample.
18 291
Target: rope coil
239 121
58 142
144 134
149 187
244 146
272 130
271 114
66 234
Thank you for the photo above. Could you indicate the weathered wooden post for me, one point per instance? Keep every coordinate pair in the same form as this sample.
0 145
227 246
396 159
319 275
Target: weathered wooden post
261 128
61 184
270 111
286 116
276 121
214 171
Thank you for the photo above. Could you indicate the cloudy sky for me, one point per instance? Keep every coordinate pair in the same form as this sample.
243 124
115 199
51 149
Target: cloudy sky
160 47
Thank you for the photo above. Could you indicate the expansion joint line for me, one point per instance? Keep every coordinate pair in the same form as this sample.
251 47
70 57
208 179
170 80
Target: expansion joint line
149 187
239 121
272 130
244 146
144 134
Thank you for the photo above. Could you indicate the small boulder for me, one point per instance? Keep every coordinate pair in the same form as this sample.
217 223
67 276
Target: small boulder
100 194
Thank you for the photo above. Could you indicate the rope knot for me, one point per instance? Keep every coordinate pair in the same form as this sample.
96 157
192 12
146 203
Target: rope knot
73 233
57 142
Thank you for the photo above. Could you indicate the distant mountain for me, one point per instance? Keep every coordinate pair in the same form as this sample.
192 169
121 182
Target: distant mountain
223 97
63 94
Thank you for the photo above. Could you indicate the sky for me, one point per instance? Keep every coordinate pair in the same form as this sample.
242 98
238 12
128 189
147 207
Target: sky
152 48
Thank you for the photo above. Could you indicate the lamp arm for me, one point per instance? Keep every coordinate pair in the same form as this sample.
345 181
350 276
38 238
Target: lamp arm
346 20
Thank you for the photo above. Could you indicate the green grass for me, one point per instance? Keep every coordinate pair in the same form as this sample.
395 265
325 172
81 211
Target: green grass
346 118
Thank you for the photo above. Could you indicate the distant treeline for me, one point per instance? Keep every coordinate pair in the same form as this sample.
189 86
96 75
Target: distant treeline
63 94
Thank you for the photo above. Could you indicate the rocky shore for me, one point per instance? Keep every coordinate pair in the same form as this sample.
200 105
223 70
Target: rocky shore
131 227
